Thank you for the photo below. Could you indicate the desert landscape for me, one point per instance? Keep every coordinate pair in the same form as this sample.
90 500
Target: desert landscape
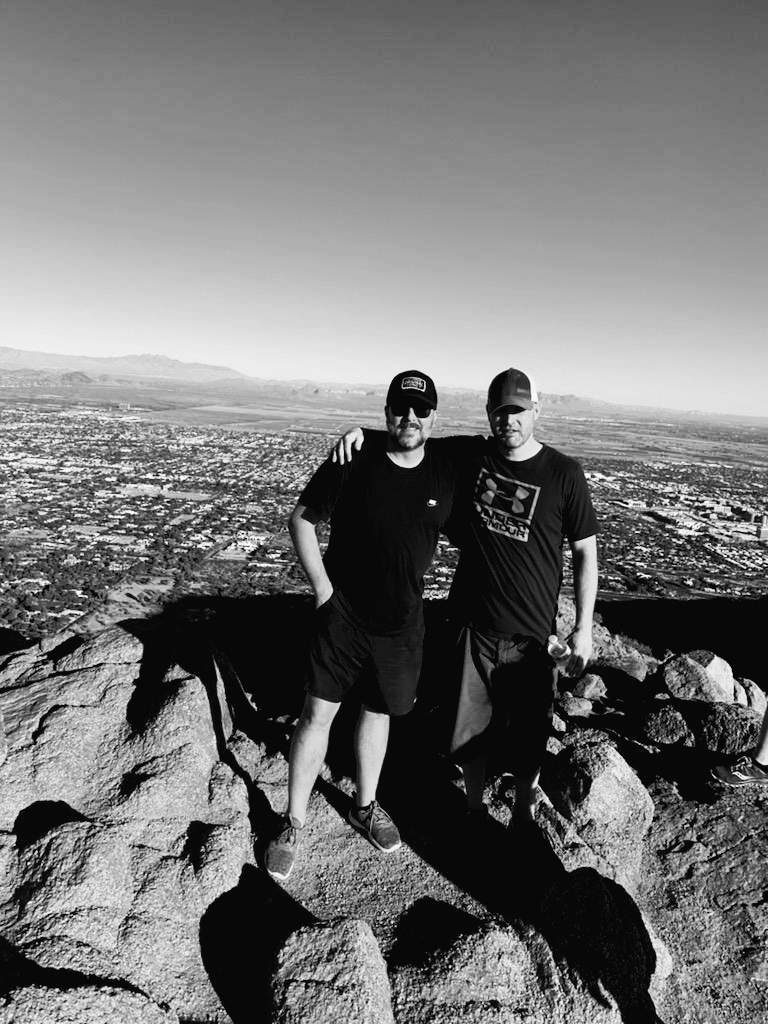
154 627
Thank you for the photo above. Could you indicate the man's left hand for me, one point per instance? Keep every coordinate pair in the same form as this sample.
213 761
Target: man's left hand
581 651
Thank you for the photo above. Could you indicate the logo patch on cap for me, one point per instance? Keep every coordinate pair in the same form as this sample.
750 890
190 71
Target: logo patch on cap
414 384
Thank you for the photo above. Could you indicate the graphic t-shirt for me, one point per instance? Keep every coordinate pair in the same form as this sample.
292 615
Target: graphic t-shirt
510 522
385 520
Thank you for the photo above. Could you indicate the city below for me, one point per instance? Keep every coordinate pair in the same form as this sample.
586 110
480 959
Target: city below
116 507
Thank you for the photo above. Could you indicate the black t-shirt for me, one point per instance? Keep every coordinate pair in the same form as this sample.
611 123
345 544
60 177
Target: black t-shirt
385 521
510 521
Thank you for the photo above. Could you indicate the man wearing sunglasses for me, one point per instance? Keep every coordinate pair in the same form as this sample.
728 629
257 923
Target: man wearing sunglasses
385 510
517 502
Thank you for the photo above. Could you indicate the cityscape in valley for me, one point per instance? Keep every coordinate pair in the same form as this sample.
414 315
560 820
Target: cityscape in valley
123 496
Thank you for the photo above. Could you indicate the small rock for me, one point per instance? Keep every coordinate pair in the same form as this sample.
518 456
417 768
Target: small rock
574 707
727 729
590 686
718 670
740 694
665 726
687 679
756 698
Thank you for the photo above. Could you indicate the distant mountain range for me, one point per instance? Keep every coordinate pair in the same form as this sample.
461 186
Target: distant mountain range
147 366
38 368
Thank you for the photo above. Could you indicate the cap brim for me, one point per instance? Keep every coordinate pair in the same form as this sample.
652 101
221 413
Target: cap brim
520 403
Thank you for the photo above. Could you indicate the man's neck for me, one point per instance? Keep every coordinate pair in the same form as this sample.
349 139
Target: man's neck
406 459
527 451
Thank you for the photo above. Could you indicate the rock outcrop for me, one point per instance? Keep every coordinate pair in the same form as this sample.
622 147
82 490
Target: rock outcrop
120 823
134 769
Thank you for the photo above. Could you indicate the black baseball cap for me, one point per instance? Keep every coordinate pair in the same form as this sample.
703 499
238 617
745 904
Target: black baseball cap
410 385
512 387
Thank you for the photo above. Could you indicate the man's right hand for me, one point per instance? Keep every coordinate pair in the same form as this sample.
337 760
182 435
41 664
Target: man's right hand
323 595
348 443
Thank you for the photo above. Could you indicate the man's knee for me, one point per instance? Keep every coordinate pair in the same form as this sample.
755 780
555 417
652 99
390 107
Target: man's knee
318 713
368 712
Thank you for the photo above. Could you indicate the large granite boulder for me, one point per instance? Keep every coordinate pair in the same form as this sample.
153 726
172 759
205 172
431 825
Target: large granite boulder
119 821
688 678
592 786
496 975
329 972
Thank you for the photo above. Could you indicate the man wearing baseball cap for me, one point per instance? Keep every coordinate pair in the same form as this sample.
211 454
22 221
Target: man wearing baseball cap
517 502
385 509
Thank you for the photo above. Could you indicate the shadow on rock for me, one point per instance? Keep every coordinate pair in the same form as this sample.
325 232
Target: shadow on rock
718 624
265 640
240 936
507 870
594 925
174 647
18 971
429 927
12 640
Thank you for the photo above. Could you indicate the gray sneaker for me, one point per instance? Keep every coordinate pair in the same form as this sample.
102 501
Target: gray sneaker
743 772
376 825
281 852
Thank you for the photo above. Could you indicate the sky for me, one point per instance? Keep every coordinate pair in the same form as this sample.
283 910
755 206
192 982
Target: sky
342 190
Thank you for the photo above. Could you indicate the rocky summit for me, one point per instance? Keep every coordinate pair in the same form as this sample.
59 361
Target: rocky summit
142 769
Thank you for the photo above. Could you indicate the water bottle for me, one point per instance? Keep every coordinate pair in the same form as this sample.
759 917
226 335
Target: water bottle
557 649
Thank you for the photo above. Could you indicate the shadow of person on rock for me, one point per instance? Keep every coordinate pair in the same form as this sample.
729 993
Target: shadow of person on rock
594 925
247 652
241 933
264 638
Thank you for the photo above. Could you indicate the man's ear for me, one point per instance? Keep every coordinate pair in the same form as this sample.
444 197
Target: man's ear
536 410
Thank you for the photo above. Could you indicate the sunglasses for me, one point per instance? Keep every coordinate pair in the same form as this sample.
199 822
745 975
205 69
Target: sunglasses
420 409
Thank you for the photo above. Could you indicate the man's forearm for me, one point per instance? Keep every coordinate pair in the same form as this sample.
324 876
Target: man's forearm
585 581
302 526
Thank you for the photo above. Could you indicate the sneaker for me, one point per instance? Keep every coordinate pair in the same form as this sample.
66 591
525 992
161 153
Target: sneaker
281 852
743 772
376 825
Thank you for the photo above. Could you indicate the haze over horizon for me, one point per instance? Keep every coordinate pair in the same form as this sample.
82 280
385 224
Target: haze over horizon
337 192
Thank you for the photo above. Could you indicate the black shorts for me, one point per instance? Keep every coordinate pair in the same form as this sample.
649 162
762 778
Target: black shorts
342 651
505 702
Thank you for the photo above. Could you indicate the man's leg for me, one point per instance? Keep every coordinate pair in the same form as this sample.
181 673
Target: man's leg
474 773
371 736
308 749
366 815
524 687
474 713
525 799
390 689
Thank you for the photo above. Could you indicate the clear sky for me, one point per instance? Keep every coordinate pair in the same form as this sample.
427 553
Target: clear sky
340 190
